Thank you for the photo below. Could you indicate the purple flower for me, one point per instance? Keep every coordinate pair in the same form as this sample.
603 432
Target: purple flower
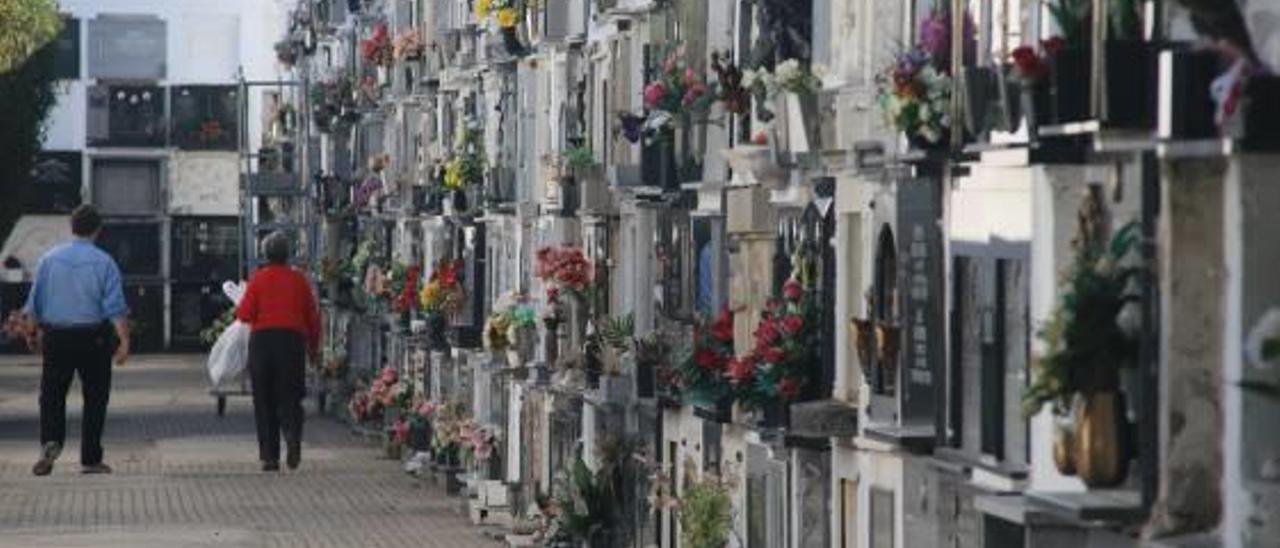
935 34
631 126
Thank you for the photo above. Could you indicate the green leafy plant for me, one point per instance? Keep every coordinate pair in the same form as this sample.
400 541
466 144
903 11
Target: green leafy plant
706 513
579 158
1085 345
616 332
1073 19
584 504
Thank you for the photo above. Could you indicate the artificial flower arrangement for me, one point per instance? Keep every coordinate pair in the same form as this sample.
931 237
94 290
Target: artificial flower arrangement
386 392
789 76
1086 338
506 13
1031 66
446 430
915 90
495 331
376 50
408 45
703 377
704 508
333 103
467 165
444 294
565 269
785 351
512 327
404 288
677 94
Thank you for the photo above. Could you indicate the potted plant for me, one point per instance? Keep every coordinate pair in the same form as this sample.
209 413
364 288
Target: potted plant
506 14
567 272
704 376
442 297
465 169
1031 71
706 512
376 51
675 100
791 87
408 50
915 97
1086 348
776 371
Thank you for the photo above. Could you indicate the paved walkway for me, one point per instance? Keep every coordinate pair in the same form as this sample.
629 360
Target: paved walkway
184 477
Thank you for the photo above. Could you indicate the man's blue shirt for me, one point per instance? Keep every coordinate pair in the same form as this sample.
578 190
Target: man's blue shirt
76 284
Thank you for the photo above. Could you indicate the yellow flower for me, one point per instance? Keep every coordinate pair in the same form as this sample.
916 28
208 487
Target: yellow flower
482 8
453 175
507 18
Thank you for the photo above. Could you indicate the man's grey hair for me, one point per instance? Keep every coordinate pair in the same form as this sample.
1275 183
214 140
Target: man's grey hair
275 247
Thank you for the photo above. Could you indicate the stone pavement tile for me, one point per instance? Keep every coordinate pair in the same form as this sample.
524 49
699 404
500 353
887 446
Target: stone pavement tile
185 477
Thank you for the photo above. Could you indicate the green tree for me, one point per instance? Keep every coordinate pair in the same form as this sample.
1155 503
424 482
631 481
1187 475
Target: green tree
27 94
25 27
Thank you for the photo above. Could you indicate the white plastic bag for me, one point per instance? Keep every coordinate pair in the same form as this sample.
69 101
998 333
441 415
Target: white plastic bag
230 353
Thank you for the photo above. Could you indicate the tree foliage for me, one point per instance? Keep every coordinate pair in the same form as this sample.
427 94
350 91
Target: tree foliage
27 94
25 27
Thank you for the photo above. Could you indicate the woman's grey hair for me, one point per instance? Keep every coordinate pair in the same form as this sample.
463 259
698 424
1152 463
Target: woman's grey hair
276 247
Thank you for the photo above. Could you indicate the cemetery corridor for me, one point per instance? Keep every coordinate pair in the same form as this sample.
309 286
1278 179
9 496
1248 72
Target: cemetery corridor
185 477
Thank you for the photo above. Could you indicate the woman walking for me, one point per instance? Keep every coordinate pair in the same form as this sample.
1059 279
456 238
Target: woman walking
281 310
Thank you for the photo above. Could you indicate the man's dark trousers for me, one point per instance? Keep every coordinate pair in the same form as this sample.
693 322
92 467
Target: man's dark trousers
68 351
277 363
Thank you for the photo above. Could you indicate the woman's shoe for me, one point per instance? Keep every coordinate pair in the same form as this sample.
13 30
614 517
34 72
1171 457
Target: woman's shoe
270 466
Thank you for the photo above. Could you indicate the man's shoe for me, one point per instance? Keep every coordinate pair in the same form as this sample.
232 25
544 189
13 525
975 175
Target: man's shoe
270 466
48 454
100 468
294 457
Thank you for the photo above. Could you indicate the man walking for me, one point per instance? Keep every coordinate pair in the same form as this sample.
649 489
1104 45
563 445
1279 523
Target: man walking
76 300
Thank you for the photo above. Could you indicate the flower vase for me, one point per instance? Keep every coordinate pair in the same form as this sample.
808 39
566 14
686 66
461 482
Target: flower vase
1069 82
1101 456
511 39
1036 106
551 339
803 122
658 160
437 328
645 379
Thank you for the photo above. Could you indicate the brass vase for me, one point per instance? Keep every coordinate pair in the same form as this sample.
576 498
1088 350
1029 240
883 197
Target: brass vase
1100 456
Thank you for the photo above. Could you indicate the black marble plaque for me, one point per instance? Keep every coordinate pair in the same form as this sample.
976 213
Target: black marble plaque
921 279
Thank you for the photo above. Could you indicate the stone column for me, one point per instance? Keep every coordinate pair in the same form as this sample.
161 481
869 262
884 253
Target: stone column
1251 448
1191 275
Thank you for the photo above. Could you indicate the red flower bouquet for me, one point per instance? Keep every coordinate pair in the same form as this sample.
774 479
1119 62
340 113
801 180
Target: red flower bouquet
785 352
709 372
444 293
564 269
377 49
